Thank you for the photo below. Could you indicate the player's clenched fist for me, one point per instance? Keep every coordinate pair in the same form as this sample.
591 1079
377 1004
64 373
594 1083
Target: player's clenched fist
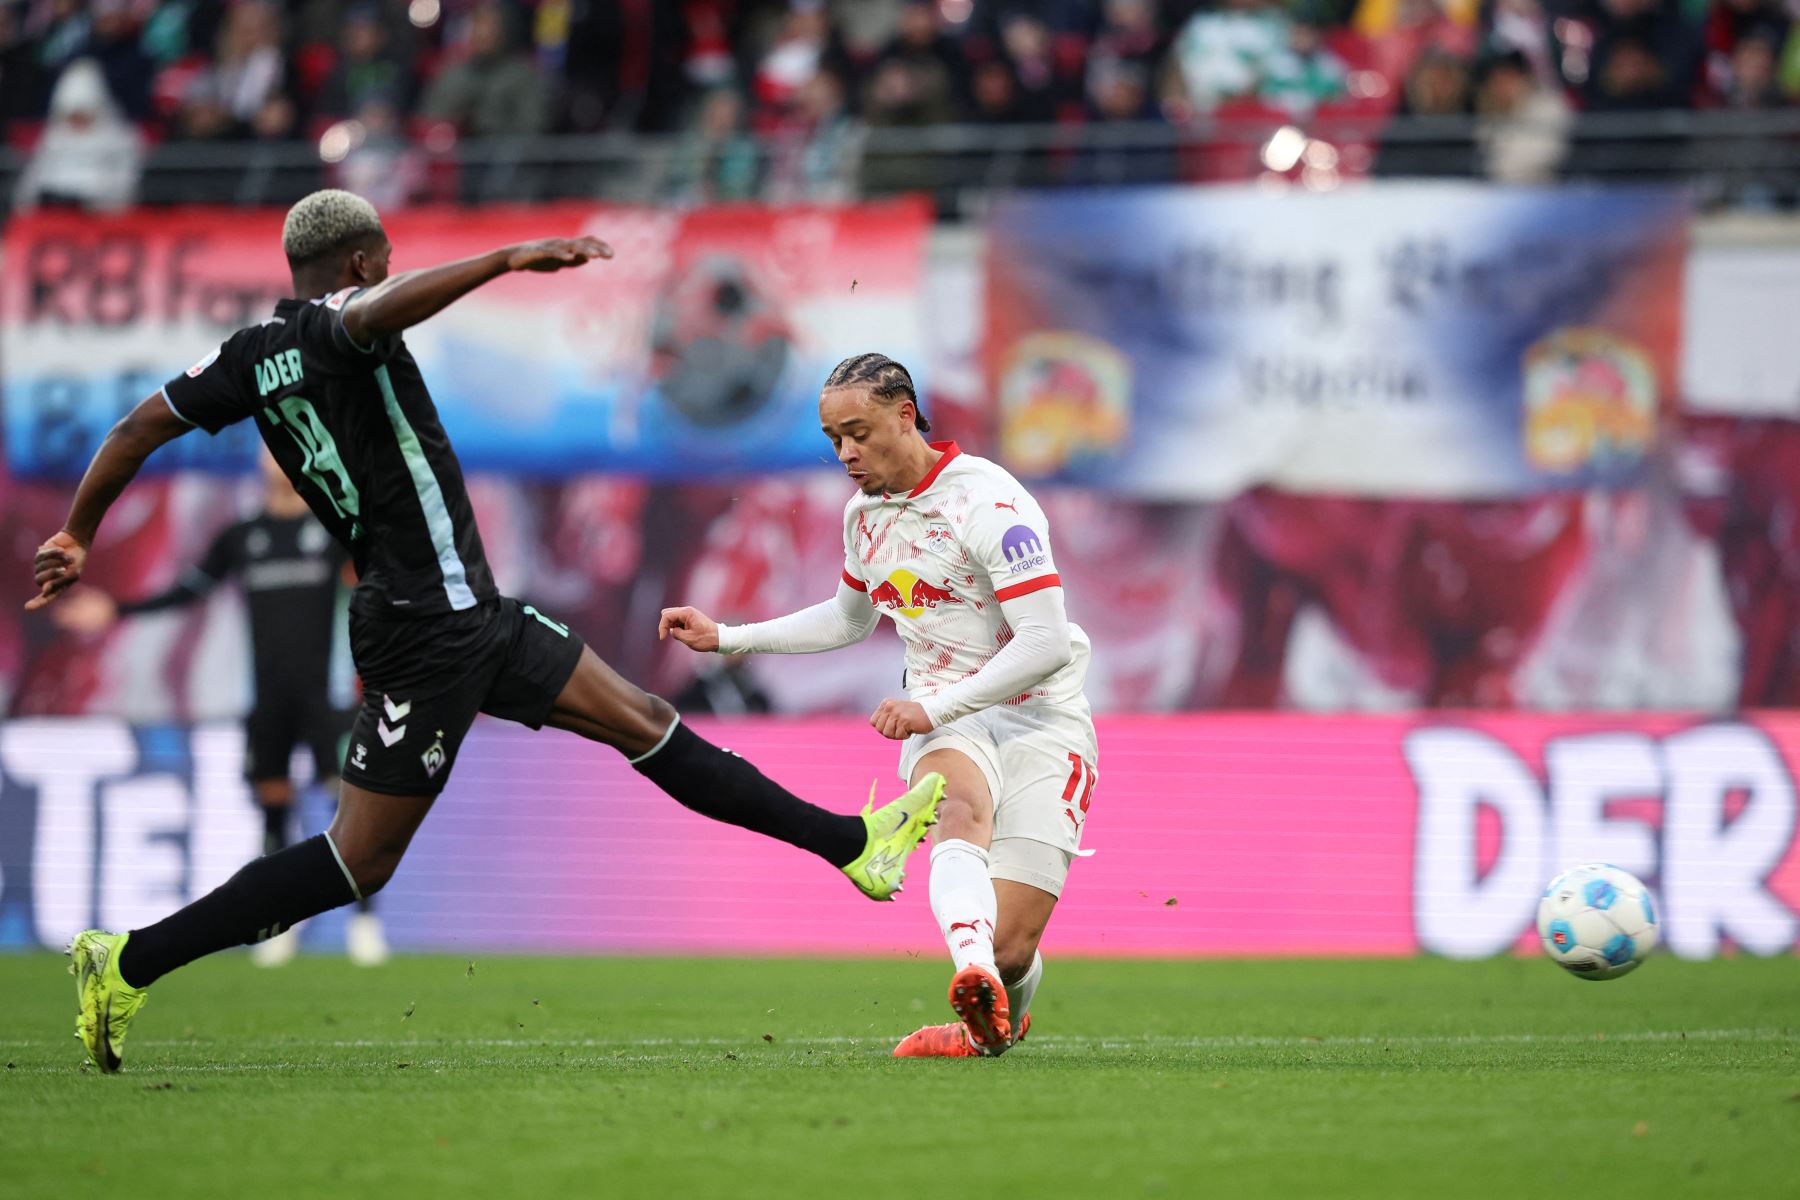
900 719
58 565
689 626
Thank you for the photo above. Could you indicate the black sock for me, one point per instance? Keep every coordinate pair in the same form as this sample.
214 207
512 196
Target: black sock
718 784
268 895
275 827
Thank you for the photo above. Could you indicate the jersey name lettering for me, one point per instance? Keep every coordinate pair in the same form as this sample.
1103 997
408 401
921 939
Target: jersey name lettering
278 371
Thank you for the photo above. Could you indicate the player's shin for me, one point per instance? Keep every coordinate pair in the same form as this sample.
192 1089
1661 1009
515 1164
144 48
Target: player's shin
719 784
962 899
268 895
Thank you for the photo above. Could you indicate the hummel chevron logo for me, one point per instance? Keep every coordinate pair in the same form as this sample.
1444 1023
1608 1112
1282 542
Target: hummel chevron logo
389 736
396 712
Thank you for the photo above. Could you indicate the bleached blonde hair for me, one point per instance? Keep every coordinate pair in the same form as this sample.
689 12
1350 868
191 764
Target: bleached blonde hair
325 220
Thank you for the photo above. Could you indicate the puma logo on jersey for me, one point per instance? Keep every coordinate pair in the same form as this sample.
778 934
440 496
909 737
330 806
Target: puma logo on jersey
1003 504
278 371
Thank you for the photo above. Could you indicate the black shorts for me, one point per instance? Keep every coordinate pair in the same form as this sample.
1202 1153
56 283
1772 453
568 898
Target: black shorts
287 717
424 680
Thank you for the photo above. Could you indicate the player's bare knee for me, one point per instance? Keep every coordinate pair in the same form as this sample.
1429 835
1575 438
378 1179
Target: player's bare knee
371 884
1013 959
961 817
368 862
658 713
273 794
640 724
373 872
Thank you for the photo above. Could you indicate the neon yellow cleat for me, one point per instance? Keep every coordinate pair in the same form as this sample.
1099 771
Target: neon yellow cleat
106 1003
894 829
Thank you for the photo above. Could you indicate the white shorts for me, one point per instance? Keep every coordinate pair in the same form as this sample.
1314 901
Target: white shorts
1041 764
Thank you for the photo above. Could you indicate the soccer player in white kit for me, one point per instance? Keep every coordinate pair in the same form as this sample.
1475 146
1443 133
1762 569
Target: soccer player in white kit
951 549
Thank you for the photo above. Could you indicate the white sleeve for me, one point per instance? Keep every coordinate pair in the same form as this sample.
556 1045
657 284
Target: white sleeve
842 620
1039 648
1011 542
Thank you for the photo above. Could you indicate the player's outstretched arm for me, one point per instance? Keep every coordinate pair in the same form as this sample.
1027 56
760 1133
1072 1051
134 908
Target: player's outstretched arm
401 301
843 620
61 560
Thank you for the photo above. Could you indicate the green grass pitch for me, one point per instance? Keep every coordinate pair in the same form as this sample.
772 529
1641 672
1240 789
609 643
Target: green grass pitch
613 1077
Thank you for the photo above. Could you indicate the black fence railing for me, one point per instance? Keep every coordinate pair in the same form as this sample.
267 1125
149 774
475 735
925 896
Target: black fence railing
1727 158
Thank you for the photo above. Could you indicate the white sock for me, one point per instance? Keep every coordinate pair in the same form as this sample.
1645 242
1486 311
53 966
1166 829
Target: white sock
962 899
1018 995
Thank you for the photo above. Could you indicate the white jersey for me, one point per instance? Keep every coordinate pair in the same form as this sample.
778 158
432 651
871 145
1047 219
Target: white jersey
940 559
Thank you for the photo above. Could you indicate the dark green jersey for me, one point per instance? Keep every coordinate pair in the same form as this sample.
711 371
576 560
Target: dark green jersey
355 429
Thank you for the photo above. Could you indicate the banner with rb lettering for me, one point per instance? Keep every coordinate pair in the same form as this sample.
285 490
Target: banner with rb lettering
1419 340
699 348
1388 836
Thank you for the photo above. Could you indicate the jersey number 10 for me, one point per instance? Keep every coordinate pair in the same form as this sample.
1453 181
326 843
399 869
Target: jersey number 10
1077 769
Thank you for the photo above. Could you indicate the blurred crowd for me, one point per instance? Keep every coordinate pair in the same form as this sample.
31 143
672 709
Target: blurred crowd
766 94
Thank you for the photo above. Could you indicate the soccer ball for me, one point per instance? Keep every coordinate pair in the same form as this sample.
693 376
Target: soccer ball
1597 921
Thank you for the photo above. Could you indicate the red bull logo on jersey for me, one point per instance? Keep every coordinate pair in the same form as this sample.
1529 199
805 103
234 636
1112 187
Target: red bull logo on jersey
924 595
907 594
886 594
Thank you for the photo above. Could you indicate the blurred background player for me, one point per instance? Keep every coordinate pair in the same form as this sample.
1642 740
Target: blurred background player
723 687
291 570
957 555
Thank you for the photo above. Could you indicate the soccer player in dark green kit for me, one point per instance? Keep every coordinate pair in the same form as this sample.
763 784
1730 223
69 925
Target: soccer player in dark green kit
341 404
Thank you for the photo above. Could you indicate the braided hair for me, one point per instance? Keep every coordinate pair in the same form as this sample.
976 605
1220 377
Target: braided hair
888 382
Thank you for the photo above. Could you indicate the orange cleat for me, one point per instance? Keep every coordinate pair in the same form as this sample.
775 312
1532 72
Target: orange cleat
980 1001
948 1041
937 1041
